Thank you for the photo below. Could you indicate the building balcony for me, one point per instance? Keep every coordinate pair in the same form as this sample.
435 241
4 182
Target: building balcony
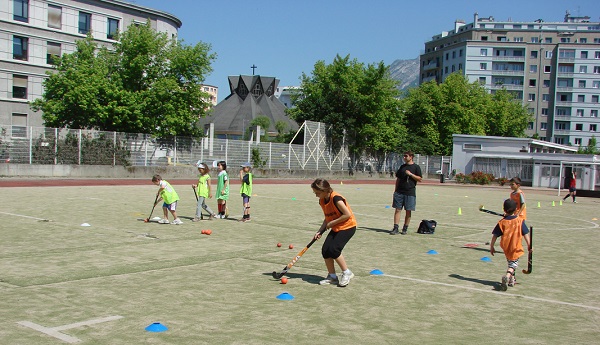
508 72
564 88
564 103
512 87
566 59
430 66
565 74
509 58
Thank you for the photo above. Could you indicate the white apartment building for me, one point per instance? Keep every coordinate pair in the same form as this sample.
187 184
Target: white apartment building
554 67
32 32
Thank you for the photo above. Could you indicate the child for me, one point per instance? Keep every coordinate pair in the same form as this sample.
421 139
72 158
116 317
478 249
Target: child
572 187
222 190
518 197
203 192
246 189
340 219
512 229
170 197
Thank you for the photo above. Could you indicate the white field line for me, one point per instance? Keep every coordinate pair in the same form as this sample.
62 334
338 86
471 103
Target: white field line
495 292
22 216
55 331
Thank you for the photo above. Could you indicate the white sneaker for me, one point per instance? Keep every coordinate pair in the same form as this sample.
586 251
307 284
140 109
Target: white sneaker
163 221
329 280
176 221
345 279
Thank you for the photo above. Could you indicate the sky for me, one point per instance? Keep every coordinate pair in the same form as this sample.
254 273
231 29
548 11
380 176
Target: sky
286 38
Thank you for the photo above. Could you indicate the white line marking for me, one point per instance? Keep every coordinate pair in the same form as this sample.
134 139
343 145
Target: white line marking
23 216
495 292
55 331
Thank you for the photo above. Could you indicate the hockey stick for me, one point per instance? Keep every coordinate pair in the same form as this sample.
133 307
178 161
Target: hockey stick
196 195
530 256
482 209
155 201
294 260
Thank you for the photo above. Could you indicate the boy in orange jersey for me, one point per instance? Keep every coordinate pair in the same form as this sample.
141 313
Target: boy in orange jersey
518 197
340 219
512 229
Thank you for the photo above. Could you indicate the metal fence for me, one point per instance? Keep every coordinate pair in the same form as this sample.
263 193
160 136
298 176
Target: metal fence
42 145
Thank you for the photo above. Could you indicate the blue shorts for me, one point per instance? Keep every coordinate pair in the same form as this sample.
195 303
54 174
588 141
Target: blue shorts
171 207
402 201
245 198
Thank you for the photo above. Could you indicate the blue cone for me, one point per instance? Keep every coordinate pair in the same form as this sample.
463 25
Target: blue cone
156 327
285 296
432 252
486 259
387 206
376 272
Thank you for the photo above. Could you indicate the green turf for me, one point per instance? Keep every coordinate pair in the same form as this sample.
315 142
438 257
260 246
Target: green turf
218 289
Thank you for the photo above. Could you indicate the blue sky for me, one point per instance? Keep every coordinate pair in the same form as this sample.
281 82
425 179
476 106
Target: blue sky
285 38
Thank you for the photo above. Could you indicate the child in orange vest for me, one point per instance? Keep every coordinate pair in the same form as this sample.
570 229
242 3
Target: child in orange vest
518 197
340 219
512 230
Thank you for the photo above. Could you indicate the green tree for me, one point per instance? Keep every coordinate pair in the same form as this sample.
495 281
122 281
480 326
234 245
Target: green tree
146 83
590 149
264 123
358 101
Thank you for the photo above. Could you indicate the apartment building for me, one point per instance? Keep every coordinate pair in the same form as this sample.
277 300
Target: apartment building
553 67
34 32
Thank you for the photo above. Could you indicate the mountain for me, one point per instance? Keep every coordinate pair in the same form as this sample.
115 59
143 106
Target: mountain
406 72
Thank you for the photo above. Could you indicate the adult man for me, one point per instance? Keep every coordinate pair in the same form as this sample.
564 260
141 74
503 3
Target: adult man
405 194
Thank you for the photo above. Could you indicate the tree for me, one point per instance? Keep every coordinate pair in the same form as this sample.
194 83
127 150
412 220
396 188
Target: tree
435 112
357 101
147 83
264 123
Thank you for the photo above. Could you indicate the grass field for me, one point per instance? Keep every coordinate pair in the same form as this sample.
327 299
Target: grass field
105 283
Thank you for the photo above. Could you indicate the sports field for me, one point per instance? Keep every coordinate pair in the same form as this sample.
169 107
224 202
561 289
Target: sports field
62 282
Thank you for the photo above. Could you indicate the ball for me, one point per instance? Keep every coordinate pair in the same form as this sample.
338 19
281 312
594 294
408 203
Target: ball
208 232
203 232
284 280
291 246
278 244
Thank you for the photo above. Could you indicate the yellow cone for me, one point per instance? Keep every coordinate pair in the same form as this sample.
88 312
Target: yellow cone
539 204
342 183
553 204
459 212
560 203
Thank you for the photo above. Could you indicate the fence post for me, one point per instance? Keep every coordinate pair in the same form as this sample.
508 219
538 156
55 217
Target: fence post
145 150
79 147
226 149
55 146
114 148
270 153
175 151
30 145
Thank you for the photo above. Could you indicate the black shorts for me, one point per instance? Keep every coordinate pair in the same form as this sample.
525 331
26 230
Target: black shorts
335 243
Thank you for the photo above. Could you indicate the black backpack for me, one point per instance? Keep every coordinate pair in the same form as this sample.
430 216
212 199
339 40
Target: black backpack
427 226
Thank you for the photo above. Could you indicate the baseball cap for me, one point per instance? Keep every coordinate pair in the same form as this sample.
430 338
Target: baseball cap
246 165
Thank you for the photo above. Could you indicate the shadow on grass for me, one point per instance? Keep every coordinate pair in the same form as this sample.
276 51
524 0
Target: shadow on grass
373 229
309 278
493 284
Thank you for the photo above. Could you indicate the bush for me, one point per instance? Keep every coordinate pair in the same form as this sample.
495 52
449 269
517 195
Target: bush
502 181
476 177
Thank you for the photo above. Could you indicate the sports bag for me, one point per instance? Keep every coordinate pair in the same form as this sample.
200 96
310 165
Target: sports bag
427 226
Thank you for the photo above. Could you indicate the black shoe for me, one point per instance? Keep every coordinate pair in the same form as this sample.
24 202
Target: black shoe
403 232
394 231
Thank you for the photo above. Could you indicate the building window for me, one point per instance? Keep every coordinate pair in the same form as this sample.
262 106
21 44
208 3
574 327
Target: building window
19 86
460 52
595 99
535 40
502 39
580 112
53 52
546 97
113 28
544 111
565 39
583 40
548 54
596 69
482 80
533 69
530 125
453 68
593 127
581 98
446 70
21 10
548 40
596 84
532 82
547 69
20 48
531 97
19 126
460 67
543 126
546 83
579 126
584 54
454 54
561 126
582 69
518 39
472 147
54 17
447 56
582 84
594 113
578 141
534 54
597 55
85 22
483 66
483 52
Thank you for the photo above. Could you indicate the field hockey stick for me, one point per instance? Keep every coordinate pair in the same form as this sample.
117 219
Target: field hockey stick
530 256
153 206
482 209
295 259
196 195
